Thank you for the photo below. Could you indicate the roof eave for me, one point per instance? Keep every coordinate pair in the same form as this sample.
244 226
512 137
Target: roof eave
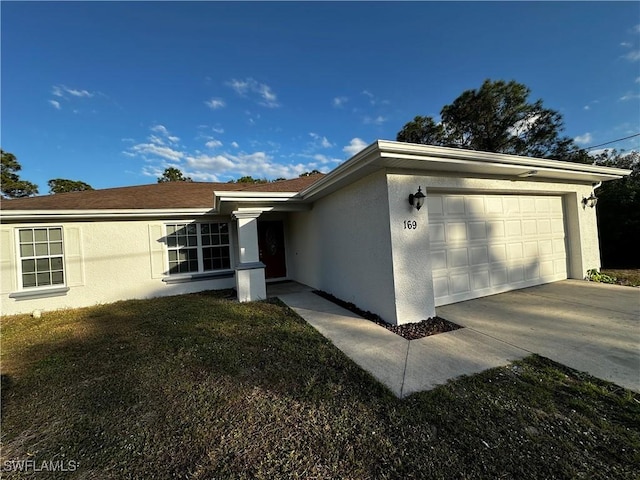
14 216
427 159
227 202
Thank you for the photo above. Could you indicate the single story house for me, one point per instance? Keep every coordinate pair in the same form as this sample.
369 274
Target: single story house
488 223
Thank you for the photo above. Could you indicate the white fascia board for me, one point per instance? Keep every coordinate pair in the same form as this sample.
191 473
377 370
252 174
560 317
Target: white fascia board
262 196
542 169
427 158
253 198
413 151
14 216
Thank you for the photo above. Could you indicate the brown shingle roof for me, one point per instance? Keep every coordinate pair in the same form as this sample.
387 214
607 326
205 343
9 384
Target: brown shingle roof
292 185
158 195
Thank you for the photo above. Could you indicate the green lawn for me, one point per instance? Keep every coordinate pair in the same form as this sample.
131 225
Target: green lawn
627 277
199 386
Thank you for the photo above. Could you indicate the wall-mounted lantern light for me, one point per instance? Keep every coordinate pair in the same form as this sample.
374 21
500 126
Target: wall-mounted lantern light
417 199
589 201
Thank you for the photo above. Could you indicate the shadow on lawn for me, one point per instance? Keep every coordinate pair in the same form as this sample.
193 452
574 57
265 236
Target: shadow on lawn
202 387
136 383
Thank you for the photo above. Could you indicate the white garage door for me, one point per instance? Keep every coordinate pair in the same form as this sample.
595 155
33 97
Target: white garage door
486 244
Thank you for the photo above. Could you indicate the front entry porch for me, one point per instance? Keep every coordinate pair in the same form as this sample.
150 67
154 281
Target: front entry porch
261 252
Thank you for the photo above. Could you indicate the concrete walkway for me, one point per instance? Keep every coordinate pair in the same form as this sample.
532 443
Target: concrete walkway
586 326
404 366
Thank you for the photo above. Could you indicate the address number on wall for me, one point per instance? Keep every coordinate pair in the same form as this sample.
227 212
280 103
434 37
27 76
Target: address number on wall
410 224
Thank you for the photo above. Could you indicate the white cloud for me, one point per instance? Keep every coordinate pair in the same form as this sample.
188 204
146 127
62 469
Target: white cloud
583 139
253 117
206 162
597 151
373 100
155 139
586 107
355 145
637 79
162 130
339 102
379 120
257 164
79 93
320 141
630 96
204 177
61 90
239 86
626 44
158 153
636 28
157 171
269 98
151 149
55 104
323 159
215 103
266 96
523 126
633 56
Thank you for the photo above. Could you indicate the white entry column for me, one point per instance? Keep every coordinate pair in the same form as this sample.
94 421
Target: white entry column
250 280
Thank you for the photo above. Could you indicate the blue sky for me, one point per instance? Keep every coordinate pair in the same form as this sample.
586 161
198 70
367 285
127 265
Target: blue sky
112 93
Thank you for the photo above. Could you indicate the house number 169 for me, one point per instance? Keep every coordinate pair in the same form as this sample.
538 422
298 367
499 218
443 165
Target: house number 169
410 224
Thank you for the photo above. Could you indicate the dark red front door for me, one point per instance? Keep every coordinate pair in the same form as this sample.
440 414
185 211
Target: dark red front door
271 245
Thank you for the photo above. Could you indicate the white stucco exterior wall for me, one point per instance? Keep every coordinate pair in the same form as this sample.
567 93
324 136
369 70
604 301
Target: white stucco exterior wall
583 244
105 261
343 246
356 245
412 275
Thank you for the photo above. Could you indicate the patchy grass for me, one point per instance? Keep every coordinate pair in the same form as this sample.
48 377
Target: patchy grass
198 386
627 277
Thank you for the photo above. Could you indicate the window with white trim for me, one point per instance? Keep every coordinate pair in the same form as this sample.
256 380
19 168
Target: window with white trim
198 247
41 257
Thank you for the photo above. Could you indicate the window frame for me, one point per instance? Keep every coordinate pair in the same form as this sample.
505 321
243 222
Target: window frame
199 248
19 259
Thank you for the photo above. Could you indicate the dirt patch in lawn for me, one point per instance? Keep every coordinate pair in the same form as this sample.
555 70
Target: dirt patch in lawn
410 331
629 277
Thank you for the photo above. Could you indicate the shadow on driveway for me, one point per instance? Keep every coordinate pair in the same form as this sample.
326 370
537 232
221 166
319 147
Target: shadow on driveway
587 326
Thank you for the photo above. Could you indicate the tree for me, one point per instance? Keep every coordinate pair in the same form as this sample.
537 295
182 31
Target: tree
173 174
496 118
248 179
308 174
62 185
423 130
10 184
618 210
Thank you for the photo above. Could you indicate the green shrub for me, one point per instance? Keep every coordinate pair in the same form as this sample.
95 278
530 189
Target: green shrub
594 275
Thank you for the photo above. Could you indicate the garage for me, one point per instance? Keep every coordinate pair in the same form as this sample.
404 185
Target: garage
486 244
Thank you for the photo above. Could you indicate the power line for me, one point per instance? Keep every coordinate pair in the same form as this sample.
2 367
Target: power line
612 141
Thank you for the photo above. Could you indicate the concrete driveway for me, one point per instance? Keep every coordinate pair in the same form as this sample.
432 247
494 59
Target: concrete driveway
587 326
